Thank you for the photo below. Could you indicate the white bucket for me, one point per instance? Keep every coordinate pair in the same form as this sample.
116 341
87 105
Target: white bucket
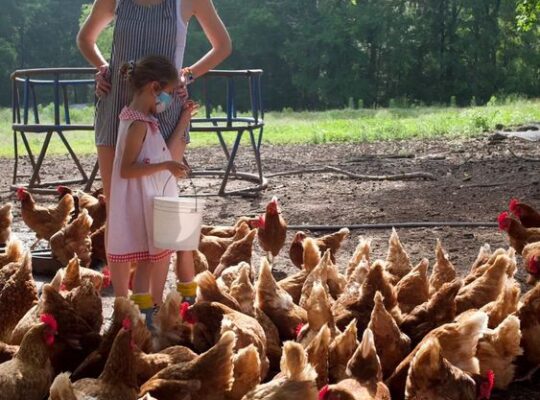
177 222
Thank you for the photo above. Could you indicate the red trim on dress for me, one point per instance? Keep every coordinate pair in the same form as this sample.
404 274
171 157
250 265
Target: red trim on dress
139 256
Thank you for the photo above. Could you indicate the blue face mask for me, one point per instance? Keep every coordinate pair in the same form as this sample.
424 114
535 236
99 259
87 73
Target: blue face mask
163 100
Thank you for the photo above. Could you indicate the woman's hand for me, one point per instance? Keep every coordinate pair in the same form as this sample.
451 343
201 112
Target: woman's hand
181 90
103 81
176 168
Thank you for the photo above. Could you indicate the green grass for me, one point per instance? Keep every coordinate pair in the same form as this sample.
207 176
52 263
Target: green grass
335 126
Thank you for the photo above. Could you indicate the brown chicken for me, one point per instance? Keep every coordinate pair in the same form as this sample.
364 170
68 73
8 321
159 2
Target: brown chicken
76 338
318 352
330 242
118 381
271 229
74 239
229 274
13 254
296 380
273 342
6 218
208 290
7 351
277 303
398 263
243 291
443 270
213 247
341 350
431 376
246 372
506 304
529 316
29 374
438 310
362 251
319 314
73 274
479 270
518 235
458 340
531 260
319 274
239 251
170 329
483 256
486 288
99 252
527 215
365 376
45 222
392 345
211 320
226 231
86 302
498 349
93 365
200 261
413 289
296 251
293 283
212 369
17 296
147 365
348 307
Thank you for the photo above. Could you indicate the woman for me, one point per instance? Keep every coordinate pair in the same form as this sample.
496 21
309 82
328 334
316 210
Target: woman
142 28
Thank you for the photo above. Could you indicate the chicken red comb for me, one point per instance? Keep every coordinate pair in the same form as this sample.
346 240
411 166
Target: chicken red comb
50 321
185 314
20 190
298 328
106 271
490 376
514 206
261 222
323 392
62 189
532 265
126 324
502 218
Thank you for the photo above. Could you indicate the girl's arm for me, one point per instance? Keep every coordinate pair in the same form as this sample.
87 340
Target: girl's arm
216 33
176 142
101 15
131 169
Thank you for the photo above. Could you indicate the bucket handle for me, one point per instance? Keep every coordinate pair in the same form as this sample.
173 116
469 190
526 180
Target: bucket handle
195 190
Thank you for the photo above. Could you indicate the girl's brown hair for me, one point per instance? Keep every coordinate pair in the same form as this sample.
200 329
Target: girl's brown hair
149 69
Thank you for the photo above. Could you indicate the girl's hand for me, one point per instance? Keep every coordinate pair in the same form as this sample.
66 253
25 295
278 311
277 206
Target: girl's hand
181 90
103 85
189 110
176 168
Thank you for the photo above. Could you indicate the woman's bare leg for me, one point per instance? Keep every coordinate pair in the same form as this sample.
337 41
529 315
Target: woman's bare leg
106 160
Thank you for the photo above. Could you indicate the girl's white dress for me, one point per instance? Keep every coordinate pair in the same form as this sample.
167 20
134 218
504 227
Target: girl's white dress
130 215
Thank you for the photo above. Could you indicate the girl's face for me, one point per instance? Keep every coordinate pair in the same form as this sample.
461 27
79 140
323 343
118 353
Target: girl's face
162 96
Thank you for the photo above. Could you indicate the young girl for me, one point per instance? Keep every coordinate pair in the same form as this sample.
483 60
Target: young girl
143 164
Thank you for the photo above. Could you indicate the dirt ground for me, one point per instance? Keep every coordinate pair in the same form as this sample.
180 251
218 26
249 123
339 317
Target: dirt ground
475 179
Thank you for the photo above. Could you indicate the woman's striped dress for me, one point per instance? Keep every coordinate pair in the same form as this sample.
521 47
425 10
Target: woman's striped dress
140 31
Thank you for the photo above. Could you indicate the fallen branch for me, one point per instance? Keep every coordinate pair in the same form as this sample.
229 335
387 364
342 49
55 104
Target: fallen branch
523 158
326 169
371 157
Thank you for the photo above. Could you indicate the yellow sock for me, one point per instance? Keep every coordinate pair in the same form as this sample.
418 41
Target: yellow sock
187 289
143 300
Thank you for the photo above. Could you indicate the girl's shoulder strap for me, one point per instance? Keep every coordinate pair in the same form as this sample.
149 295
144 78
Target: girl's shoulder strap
128 114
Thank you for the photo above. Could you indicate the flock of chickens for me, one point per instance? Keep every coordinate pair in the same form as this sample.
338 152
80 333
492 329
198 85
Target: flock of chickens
371 329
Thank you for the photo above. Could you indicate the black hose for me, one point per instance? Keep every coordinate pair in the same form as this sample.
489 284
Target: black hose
454 224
